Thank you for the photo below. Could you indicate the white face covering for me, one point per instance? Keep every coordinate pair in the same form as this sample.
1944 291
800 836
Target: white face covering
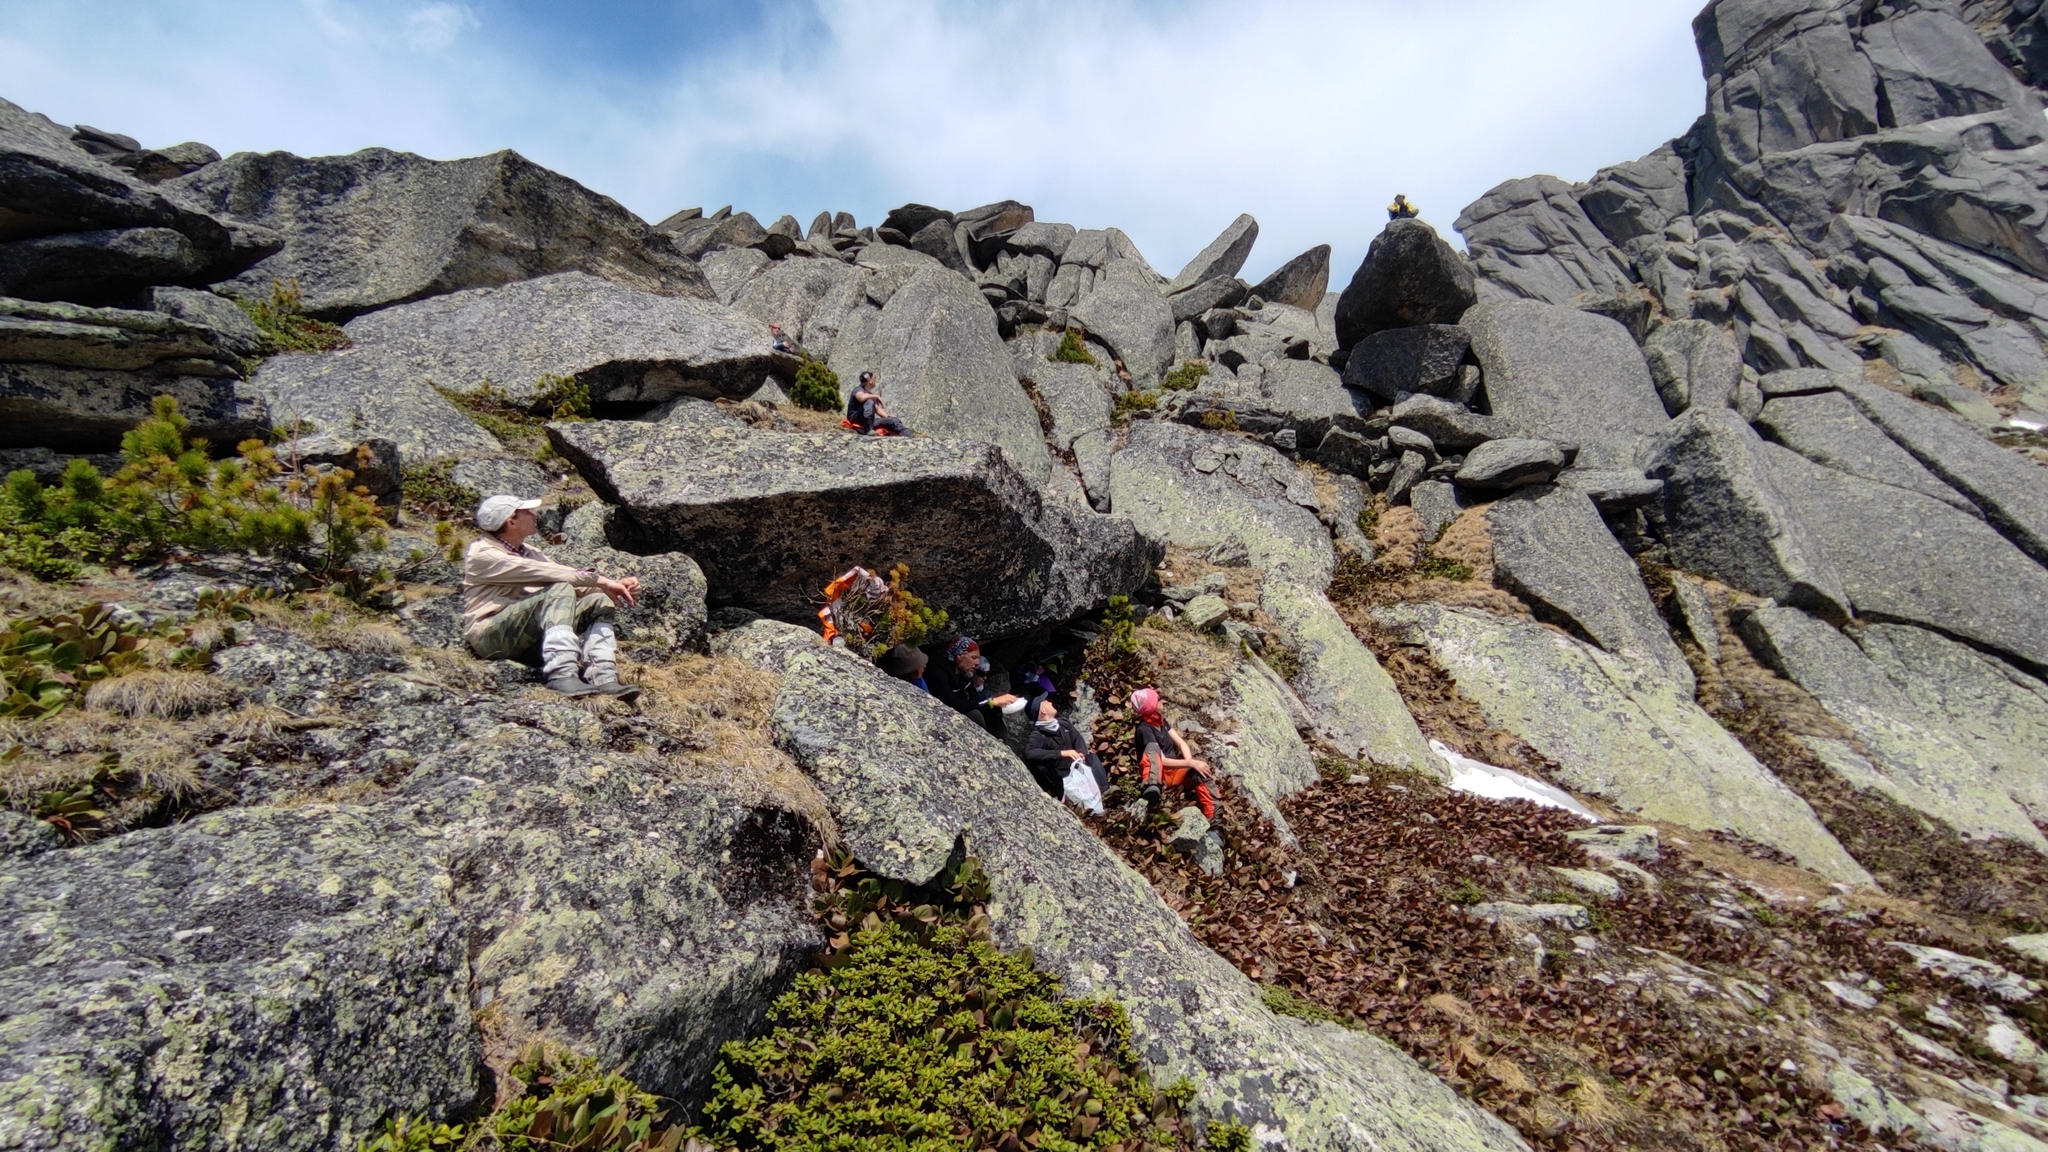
1052 725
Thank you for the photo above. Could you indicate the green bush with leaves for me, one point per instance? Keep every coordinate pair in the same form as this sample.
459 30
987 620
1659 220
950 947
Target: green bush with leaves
171 495
1185 378
566 1102
1072 350
816 387
285 326
47 661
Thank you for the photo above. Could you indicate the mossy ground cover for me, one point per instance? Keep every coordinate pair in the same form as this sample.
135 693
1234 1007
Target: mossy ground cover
282 319
521 425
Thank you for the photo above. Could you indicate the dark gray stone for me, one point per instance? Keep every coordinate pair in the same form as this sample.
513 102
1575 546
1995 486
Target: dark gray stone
1511 463
156 165
84 410
773 517
103 265
1726 516
1409 440
1931 65
75 336
1436 505
1638 199
1826 428
1904 557
2011 491
1450 426
1221 292
1040 238
1410 275
377 227
1551 548
911 219
670 611
1798 382
936 240
624 345
1569 376
1612 491
375 462
1407 473
1693 362
1225 256
990 226
237 333
1343 450
1781 77
1530 239
1301 282
1425 358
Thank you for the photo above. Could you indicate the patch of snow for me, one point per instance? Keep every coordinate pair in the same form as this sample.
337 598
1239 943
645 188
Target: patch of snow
1482 779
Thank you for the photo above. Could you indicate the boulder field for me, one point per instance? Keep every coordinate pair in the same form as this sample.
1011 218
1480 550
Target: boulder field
1713 492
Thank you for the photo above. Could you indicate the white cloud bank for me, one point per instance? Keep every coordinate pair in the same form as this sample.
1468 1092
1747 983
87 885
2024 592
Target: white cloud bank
1164 120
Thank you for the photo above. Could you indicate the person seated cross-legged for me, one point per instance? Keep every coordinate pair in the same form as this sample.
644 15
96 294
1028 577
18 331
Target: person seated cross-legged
516 603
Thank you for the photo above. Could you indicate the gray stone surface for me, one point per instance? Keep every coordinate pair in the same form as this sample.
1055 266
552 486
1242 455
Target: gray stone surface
1436 505
907 779
1697 611
73 336
1914 759
1826 428
669 611
1727 517
1693 362
1530 239
1221 292
1551 548
2012 492
378 227
943 369
232 326
1451 426
1225 255
1904 557
1619 733
772 517
1511 463
1424 358
1301 282
1126 312
813 300
623 344
1041 238
1569 376
1410 275
85 410
1612 491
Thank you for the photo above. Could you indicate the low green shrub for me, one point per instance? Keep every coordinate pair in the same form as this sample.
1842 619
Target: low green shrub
1130 402
171 496
1220 420
1185 378
909 620
521 425
48 661
565 1102
1072 350
285 325
1444 568
816 387
431 490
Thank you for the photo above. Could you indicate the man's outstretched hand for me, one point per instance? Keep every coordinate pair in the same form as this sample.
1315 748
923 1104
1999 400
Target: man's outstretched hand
625 592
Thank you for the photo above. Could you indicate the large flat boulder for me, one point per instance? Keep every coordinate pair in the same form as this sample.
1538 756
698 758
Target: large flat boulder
1826 428
1619 730
377 227
1225 255
80 409
1727 518
1126 312
908 780
1913 757
1904 557
1566 375
1529 238
942 366
1410 275
1301 282
1551 548
772 517
813 300
622 344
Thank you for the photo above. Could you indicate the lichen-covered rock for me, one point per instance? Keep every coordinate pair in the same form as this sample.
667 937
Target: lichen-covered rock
1826 428
1615 732
912 782
377 227
670 610
773 517
1569 376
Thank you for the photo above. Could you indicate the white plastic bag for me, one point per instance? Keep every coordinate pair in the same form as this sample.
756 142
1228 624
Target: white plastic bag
1082 791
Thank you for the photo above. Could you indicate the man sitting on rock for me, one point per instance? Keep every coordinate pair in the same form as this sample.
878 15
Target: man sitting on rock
1055 747
782 343
1401 209
965 687
1180 769
516 603
865 413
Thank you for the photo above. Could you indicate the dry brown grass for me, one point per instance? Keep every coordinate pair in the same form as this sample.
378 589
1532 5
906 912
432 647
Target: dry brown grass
329 621
716 709
1190 670
160 693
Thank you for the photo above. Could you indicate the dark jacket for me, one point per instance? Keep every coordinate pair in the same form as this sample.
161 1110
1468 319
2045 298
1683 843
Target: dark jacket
1042 756
959 692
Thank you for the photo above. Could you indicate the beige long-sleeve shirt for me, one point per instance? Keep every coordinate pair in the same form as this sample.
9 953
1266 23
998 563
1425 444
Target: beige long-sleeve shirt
494 577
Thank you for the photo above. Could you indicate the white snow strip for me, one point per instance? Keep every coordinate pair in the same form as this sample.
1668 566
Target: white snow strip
1482 779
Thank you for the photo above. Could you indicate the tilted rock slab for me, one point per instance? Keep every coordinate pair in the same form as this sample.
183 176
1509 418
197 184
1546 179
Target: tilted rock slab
1198 489
911 781
377 227
623 344
1570 376
773 517
1619 730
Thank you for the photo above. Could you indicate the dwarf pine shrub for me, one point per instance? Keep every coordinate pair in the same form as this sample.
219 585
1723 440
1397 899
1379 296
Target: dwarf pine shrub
816 387
285 326
1072 350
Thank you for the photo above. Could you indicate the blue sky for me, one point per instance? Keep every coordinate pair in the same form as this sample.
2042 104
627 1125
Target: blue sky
1165 119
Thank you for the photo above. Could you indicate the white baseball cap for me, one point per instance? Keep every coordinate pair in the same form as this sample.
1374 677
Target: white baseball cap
495 510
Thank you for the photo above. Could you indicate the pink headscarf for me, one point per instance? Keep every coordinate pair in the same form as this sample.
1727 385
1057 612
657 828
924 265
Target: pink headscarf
1145 702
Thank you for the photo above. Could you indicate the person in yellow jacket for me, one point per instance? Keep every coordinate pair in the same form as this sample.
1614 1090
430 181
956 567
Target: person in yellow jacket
1401 209
515 600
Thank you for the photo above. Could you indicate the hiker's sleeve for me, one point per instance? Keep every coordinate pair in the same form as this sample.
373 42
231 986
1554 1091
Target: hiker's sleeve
486 564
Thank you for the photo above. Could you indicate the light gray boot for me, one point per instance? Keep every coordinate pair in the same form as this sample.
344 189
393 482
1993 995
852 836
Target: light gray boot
601 662
559 656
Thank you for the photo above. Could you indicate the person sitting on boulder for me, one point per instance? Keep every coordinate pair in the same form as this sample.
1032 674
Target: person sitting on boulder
864 411
1401 209
965 687
853 603
1055 747
517 603
782 343
1166 757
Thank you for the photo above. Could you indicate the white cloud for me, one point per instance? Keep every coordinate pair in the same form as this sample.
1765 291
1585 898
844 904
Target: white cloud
1163 120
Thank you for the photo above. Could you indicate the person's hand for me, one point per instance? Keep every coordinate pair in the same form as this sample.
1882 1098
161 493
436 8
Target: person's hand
624 593
1003 701
1073 755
